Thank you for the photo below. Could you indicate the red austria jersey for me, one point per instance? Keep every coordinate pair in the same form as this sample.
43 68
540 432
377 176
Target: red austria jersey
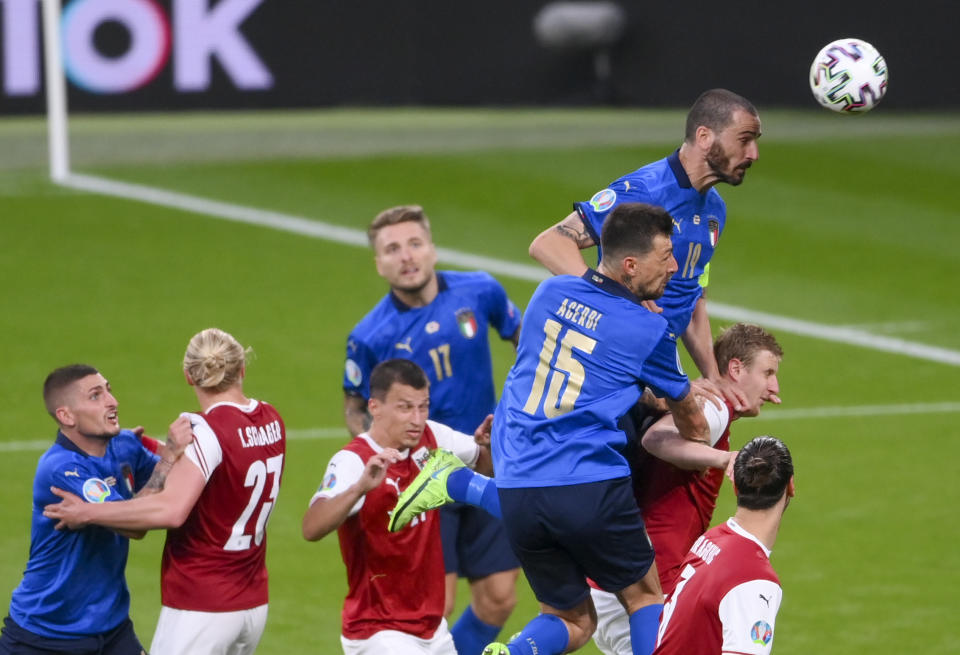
677 504
215 562
396 580
725 600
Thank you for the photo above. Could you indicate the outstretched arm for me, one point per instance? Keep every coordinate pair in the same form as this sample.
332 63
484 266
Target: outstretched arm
164 502
481 436
179 436
167 508
699 342
689 419
663 440
558 247
326 514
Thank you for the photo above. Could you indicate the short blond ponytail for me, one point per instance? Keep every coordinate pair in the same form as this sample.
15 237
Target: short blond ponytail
214 360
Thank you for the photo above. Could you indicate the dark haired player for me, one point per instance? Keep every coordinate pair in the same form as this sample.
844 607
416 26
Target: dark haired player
441 320
727 596
587 348
720 144
396 581
73 597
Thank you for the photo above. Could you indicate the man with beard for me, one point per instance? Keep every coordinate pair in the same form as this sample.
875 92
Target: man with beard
73 597
441 321
719 145
587 348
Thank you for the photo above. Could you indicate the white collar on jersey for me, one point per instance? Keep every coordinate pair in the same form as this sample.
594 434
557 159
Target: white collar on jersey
378 448
249 407
733 525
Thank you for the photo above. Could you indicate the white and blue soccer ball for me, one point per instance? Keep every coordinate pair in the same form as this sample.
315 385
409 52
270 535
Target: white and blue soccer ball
848 76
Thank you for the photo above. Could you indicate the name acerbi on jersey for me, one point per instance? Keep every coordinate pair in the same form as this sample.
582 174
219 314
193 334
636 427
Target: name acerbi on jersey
260 435
578 313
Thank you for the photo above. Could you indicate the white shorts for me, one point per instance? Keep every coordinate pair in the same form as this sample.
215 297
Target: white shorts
401 643
613 625
186 632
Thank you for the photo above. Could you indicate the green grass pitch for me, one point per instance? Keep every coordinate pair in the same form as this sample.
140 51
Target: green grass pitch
843 221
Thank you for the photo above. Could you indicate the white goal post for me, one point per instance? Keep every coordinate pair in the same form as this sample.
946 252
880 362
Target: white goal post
56 87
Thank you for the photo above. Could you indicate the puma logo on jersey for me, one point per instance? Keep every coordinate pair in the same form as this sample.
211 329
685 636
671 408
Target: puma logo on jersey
73 473
405 346
765 599
395 483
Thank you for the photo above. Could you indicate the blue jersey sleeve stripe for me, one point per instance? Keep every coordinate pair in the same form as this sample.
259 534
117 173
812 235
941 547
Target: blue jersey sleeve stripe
587 221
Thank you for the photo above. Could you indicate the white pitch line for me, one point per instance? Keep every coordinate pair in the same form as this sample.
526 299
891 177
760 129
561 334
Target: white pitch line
312 434
307 433
861 410
839 334
24 446
320 433
349 236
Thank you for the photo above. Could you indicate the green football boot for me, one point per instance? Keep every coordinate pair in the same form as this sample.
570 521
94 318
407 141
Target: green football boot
496 648
427 491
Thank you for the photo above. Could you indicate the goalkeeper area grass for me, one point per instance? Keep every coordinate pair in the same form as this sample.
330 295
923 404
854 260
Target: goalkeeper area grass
845 227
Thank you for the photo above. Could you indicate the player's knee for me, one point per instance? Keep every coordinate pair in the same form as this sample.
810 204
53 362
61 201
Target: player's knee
494 597
640 600
581 628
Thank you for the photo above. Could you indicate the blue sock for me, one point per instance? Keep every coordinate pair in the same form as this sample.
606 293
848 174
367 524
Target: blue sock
644 624
471 635
545 635
465 486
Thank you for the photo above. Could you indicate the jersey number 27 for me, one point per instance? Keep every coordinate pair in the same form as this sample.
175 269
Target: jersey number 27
257 478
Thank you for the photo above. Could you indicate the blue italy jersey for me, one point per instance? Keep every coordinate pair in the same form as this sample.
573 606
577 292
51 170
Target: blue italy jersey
448 339
74 584
587 348
698 221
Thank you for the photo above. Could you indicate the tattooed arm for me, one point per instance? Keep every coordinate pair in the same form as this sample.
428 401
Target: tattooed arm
689 419
355 413
558 247
153 506
168 508
179 436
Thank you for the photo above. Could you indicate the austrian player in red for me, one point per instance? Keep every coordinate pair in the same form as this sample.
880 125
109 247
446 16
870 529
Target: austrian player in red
727 596
216 504
678 481
396 580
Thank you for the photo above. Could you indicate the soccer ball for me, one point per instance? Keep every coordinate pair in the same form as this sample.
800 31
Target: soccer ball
849 76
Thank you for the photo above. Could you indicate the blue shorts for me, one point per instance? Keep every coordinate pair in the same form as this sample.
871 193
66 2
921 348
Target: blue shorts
122 640
475 544
566 534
